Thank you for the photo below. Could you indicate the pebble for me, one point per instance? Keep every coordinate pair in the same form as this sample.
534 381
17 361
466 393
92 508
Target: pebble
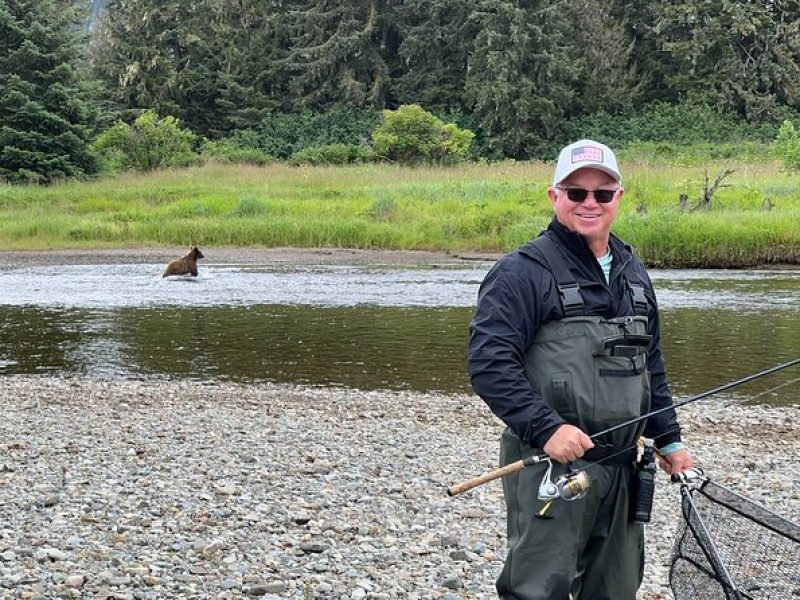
147 489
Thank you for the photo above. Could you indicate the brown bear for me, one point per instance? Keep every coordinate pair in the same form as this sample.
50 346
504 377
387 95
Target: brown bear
186 264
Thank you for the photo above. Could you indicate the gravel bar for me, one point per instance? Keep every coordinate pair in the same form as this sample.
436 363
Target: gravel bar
141 489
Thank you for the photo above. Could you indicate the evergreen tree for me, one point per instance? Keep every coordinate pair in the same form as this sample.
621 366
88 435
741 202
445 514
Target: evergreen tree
139 49
341 52
45 103
609 80
740 55
235 78
213 63
436 41
521 75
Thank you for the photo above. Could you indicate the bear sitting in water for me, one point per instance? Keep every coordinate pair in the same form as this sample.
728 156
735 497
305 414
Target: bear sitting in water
184 265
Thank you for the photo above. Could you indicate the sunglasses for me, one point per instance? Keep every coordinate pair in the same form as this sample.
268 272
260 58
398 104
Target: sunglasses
580 194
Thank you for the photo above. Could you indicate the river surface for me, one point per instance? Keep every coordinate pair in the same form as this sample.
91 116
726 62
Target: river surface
365 327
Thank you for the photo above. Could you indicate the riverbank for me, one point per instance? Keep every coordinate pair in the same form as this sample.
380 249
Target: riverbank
287 256
751 220
186 489
284 256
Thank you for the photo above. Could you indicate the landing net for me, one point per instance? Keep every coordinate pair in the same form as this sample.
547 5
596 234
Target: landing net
731 548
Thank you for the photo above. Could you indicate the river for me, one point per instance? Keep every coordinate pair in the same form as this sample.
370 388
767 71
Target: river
367 327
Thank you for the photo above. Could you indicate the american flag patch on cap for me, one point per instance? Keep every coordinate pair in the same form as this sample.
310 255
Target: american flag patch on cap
583 153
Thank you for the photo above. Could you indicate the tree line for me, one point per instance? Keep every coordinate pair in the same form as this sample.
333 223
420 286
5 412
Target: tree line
524 75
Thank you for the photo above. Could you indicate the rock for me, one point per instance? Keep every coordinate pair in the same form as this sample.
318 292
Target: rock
74 581
228 502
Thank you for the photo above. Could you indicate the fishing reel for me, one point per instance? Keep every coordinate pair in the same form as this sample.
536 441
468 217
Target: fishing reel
570 486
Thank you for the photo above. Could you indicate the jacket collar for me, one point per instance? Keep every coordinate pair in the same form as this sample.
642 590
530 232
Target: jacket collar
576 244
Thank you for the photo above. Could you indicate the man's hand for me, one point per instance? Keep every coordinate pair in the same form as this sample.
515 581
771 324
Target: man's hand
676 462
567 444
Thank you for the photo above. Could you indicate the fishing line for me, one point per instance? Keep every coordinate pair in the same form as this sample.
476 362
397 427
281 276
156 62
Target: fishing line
537 459
678 429
777 387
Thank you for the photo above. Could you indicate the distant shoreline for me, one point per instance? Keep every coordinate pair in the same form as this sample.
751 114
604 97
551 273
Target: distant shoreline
260 255
246 255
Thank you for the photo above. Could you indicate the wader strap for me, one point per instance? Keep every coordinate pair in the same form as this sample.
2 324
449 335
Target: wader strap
637 298
568 288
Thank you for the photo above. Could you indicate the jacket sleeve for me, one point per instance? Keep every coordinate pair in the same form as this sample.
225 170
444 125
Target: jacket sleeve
503 328
663 428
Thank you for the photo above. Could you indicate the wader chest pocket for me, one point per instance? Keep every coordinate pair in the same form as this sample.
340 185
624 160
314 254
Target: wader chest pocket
628 345
622 387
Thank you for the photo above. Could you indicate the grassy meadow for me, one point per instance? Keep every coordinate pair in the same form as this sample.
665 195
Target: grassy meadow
753 219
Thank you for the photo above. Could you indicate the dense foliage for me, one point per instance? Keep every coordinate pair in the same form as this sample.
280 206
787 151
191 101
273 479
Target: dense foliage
46 111
515 71
270 78
411 134
150 143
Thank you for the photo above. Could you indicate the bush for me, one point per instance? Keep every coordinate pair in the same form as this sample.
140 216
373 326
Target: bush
281 135
150 143
687 122
411 134
787 146
332 154
236 149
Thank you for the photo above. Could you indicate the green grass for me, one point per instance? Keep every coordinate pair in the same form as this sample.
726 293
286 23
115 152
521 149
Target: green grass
754 218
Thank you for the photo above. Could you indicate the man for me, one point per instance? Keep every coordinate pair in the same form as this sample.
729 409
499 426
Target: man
565 343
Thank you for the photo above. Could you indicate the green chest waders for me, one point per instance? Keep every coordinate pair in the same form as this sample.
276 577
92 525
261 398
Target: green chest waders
593 372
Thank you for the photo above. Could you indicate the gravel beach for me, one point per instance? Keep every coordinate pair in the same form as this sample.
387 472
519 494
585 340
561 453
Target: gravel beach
207 489
140 489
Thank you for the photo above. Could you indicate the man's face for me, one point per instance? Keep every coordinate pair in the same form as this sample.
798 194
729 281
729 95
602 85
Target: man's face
589 218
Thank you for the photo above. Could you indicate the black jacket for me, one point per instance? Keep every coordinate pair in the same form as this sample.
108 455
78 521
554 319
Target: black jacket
517 296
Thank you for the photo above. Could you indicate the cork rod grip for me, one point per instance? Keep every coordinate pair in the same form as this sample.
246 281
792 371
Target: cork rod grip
458 488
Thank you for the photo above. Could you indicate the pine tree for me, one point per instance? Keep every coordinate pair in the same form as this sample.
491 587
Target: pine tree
609 80
341 52
140 49
740 55
45 103
521 75
437 39
213 63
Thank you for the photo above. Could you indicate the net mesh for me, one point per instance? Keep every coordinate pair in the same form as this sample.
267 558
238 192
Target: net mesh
729 547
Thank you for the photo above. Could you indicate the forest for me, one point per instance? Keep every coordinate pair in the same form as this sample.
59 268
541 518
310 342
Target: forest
278 77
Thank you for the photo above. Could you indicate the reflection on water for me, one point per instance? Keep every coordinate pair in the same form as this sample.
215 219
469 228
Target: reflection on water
717 326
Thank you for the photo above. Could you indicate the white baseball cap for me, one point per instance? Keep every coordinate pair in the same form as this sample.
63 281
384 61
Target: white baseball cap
586 154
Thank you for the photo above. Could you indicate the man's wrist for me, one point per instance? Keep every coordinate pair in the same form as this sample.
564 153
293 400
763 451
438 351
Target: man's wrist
670 448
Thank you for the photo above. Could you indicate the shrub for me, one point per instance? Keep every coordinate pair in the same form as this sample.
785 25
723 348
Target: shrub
332 154
233 150
787 146
411 134
249 206
281 135
150 143
688 122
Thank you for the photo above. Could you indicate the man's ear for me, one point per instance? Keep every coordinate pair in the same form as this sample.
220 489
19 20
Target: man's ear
552 193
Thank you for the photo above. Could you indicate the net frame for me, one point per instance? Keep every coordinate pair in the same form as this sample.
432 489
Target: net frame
709 561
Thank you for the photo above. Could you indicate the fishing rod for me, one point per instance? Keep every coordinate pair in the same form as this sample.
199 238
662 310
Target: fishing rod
568 489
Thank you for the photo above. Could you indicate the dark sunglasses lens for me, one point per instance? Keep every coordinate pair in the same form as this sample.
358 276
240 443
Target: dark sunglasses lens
604 196
577 194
